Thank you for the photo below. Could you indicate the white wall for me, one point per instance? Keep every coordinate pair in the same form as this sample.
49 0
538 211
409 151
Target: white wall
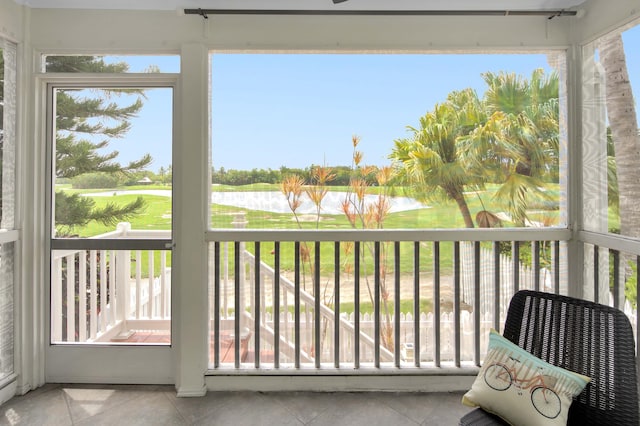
601 17
68 30
11 20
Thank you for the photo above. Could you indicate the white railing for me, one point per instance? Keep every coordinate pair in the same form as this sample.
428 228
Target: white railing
307 301
376 275
274 277
489 264
101 295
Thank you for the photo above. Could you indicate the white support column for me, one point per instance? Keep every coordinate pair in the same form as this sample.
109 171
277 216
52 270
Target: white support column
32 299
191 194
573 251
594 159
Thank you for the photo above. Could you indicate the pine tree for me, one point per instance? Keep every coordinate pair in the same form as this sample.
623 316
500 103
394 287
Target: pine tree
85 125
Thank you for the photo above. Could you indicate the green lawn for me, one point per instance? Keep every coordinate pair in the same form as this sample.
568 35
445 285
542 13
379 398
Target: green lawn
157 215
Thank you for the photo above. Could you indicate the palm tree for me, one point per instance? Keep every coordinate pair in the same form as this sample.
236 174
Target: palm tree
624 132
517 146
430 161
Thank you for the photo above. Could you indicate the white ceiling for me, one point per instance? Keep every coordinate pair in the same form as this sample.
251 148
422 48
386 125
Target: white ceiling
457 5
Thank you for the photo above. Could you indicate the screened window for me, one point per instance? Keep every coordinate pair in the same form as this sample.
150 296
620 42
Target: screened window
610 133
350 140
7 205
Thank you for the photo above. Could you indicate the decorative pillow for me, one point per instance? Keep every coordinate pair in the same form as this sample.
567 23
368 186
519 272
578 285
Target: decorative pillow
521 388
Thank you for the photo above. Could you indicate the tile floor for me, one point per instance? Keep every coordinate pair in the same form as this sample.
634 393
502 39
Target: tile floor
125 405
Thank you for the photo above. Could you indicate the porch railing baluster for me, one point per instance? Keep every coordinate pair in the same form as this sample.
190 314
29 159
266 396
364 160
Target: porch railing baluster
356 305
416 304
516 266
336 304
296 303
396 303
237 307
93 295
456 302
615 254
138 284
436 304
216 304
256 306
596 274
317 350
82 297
376 305
497 311
476 304
276 305
71 297
103 290
151 299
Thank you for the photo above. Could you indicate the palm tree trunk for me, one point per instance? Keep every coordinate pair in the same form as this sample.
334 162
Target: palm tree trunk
464 208
624 129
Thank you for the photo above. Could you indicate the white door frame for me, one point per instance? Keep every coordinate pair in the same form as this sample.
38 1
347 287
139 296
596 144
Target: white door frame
102 363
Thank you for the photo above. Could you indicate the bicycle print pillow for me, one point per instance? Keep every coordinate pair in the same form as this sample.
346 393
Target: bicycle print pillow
521 388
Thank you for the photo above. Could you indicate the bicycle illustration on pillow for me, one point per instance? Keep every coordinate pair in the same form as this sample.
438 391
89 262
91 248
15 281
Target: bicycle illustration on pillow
545 400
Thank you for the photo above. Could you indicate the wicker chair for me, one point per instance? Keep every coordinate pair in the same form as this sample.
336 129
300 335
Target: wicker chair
585 337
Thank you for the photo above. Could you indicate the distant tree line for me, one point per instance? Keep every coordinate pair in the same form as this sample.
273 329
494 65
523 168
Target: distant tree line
223 176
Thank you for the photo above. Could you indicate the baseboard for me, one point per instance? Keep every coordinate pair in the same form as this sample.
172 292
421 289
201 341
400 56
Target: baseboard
336 383
191 393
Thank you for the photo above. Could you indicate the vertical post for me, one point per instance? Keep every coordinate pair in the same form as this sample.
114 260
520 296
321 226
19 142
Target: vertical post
139 306
82 296
56 298
535 259
121 287
416 304
93 304
456 301
71 297
103 290
216 305
336 321
316 306
164 289
240 222
497 305
121 284
515 253
296 304
257 305
192 192
396 304
436 303
276 306
356 305
376 305
152 289
476 301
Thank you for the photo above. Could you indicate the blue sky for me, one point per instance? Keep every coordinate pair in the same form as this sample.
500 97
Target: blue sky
270 110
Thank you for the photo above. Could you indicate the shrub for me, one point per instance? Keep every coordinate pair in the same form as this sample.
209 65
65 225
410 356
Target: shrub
94 180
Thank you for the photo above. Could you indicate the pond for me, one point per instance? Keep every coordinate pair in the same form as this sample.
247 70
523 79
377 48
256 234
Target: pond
275 201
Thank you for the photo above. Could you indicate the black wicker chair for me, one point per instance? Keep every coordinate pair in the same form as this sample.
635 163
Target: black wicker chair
585 337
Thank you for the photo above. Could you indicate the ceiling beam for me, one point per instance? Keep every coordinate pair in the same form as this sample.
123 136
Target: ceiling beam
353 12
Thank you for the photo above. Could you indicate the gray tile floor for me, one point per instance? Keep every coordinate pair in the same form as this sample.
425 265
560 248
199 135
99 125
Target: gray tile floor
158 405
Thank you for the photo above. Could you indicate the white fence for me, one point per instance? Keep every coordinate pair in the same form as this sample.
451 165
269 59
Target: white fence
428 351
95 293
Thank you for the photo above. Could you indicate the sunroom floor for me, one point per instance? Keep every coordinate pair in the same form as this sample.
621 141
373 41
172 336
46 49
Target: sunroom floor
158 405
